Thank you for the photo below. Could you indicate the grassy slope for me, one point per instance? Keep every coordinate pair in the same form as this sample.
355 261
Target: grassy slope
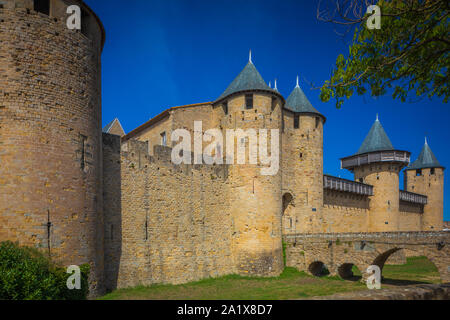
291 284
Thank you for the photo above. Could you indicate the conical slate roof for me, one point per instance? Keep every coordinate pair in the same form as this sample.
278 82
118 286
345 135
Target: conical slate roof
376 140
426 159
298 102
109 125
248 79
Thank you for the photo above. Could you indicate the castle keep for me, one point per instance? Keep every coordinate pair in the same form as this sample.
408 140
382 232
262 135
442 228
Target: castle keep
117 201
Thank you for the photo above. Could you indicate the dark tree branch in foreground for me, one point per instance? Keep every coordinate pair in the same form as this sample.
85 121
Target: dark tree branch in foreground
410 52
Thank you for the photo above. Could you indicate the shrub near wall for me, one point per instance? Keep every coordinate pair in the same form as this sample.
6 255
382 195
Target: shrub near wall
27 274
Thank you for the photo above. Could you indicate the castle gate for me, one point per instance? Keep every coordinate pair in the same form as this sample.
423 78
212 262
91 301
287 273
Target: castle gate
340 251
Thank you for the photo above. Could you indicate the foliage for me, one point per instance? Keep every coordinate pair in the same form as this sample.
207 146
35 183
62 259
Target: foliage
27 274
291 284
410 53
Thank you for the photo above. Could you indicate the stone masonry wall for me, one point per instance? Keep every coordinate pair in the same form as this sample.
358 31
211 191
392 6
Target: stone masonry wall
50 136
172 224
345 212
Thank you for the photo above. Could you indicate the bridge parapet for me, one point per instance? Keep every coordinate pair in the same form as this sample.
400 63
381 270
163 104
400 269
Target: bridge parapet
406 235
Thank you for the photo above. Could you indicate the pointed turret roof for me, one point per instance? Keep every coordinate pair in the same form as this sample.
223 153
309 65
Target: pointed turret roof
298 102
114 127
376 140
248 79
426 159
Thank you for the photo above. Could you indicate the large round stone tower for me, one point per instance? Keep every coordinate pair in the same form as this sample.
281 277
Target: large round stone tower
249 104
50 132
377 163
426 176
302 165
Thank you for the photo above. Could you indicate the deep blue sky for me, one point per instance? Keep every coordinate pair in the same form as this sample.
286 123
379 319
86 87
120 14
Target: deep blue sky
160 54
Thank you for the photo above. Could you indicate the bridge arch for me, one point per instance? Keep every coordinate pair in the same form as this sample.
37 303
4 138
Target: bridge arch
345 271
318 269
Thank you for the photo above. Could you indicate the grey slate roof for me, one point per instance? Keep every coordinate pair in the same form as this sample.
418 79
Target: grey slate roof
426 159
298 102
248 79
108 126
376 140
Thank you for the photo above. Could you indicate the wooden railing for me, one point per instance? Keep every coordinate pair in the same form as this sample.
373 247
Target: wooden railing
339 184
413 197
377 156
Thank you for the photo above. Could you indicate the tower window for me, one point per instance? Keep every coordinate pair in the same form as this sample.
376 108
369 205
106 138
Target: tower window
163 139
296 121
317 121
274 103
225 107
432 171
84 22
42 6
418 172
248 101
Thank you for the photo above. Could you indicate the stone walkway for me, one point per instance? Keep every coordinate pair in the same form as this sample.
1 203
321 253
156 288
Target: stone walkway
415 292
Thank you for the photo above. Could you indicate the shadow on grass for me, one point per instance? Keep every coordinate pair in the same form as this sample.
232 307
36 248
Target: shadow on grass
400 282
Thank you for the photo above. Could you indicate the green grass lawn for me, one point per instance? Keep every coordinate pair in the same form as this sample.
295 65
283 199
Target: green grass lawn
291 284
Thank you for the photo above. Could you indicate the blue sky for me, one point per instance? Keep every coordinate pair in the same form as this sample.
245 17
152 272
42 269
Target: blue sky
160 54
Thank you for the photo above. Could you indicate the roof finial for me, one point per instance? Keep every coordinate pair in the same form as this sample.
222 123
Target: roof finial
297 86
426 141
377 117
250 57
270 84
275 86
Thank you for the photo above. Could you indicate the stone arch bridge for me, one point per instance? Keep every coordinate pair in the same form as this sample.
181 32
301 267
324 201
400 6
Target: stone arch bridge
340 251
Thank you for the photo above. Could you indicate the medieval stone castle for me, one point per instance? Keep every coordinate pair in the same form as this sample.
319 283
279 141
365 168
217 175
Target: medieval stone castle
116 200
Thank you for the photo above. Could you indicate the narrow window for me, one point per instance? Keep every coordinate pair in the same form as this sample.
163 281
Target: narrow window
83 161
317 121
418 172
163 139
249 101
42 6
432 171
225 107
146 228
274 103
361 180
296 121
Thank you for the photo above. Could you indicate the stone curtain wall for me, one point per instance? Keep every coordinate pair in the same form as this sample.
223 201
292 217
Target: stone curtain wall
172 224
50 129
340 251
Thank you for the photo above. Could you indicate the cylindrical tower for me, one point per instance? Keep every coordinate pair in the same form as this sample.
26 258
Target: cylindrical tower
426 176
302 165
50 132
255 199
377 163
